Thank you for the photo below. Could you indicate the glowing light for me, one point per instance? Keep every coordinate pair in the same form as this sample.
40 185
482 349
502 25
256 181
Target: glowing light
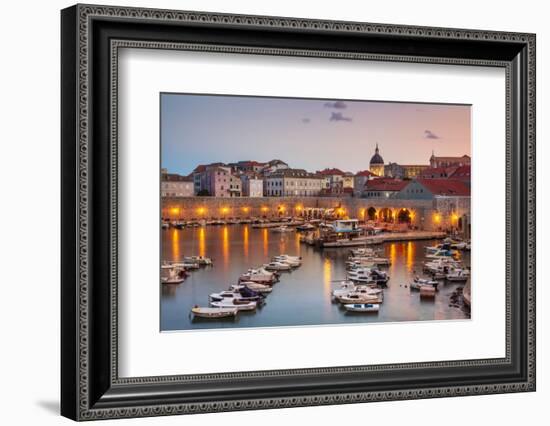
245 242
327 274
265 236
437 217
225 245
176 244
281 208
299 208
264 209
202 242
175 210
224 210
246 209
454 217
201 210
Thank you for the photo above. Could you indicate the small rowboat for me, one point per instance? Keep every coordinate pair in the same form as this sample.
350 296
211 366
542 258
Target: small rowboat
214 312
362 307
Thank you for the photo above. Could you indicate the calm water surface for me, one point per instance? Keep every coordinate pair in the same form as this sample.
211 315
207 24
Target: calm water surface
301 297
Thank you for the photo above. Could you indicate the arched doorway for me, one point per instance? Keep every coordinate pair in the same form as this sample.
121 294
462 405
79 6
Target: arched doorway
404 216
371 213
385 215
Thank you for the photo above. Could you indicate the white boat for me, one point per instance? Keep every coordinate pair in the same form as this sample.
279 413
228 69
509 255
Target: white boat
458 275
377 260
260 275
235 295
165 225
172 275
363 251
208 312
417 283
368 275
294 262
358 298
441 254
277 266
260 288
201 260
185 265
283 229
362 307
348 287
232 303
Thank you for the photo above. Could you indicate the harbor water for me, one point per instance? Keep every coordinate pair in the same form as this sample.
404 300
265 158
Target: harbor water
301 297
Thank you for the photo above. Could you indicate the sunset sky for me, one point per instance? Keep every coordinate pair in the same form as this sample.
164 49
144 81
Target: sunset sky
307 133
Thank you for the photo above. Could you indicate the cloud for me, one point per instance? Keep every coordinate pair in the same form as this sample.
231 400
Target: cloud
336 104
428 134
306 120
338 116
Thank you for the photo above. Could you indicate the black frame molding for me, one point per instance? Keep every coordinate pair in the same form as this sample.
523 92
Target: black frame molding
91 37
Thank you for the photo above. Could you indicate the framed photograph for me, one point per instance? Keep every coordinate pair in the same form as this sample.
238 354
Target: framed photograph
263 212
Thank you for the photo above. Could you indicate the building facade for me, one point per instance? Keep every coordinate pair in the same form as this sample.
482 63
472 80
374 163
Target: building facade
404 171
383 187
174 185
435 161
292 183
252 185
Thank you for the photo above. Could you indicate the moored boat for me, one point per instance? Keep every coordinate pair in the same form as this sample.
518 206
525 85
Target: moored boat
233 303
362 307
210 312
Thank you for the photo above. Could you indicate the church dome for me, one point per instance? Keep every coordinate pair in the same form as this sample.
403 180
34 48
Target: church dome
376 158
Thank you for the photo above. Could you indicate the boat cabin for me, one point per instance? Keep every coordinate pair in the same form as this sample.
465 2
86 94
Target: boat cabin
346 225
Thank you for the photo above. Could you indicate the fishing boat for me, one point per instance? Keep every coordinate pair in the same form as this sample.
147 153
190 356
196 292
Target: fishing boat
458 275
165 225
209 312
172 275
348 287
233 303
363 251
362 307
277 266
417 283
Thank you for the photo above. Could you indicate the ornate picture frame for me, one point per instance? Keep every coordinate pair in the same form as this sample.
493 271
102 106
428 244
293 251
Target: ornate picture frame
91 386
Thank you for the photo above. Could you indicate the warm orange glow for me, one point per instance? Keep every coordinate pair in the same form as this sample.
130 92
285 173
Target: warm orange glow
175 211
327 274
245 242
264 209
454 217
201 210
176 244
202 242
299 208
265 236
281 208
412 214
224 210
246 209
410 255
437 217
225 245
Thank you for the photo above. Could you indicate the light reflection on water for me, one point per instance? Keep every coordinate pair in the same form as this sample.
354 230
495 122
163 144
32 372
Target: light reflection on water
302 297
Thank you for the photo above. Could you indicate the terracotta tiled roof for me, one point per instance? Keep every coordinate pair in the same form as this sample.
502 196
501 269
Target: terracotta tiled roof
365 173
172 177
385 184
445 186
461 173
331 172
